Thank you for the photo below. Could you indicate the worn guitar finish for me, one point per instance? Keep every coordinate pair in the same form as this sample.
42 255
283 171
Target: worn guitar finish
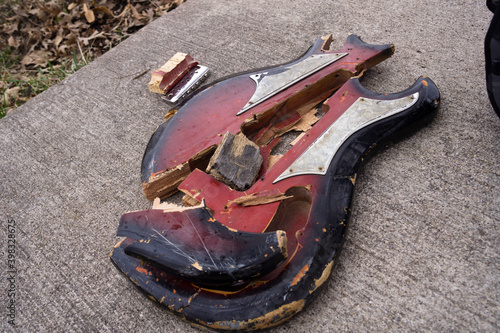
217 255
245 103
188 259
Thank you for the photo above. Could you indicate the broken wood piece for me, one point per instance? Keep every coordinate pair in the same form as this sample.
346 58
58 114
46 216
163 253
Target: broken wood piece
256 199
327 41
164 184
306 121
166 206
236 162
164 78
214 111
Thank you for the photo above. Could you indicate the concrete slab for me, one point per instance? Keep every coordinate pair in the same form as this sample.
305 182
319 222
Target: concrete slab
422 252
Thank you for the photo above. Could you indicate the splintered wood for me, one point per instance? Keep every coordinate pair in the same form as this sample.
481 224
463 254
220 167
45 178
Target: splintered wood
164 78
236 162
306 122
256 199
165 184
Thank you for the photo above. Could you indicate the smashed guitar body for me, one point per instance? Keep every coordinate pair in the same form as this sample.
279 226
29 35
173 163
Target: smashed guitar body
259 104
251 259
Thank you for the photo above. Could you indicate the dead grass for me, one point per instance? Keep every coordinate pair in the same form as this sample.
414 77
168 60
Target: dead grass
42 42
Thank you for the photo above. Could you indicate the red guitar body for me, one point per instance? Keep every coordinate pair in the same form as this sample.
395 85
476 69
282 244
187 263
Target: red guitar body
234 263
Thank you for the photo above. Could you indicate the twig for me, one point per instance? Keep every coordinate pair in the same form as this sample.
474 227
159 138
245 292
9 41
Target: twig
81 52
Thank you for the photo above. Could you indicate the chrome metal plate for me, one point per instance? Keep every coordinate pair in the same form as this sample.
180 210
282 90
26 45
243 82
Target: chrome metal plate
269 85
187 84
363 112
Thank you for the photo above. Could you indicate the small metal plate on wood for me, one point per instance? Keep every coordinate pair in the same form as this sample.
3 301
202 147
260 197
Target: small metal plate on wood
269 84
365 111
187 84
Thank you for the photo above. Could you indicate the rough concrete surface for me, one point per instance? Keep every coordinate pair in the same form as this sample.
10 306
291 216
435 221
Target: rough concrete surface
423 245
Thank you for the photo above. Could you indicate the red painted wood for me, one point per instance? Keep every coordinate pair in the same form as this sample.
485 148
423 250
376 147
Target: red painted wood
204 119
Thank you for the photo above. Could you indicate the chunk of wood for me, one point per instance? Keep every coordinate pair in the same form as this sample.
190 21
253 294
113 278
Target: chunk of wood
164 78
164 184
236 162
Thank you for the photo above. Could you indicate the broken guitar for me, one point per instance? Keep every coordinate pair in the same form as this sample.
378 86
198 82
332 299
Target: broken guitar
259 232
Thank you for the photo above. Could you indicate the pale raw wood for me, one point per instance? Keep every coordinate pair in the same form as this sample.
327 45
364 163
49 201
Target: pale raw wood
254 200
274 131
157 204
157 75
297 139
172 207
306 121
189 201
165 184
272 160
327 41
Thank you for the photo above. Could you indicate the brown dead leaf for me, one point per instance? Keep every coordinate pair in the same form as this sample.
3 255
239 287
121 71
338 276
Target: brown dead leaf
103 10
10 95
124 11
57 40
11 27
19 77
89 13
64 18
50 9
38 58
71 38
64 50
13 42
95 35
136 13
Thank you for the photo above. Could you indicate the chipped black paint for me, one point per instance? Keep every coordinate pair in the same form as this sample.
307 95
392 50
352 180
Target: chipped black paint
194 246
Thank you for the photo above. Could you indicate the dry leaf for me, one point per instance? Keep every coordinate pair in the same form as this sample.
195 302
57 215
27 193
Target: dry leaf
39 58
71 38
136 13
10 28
63 50
94 36
12 42
58 40
11 94
20 77
104 10
89 13
64 18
